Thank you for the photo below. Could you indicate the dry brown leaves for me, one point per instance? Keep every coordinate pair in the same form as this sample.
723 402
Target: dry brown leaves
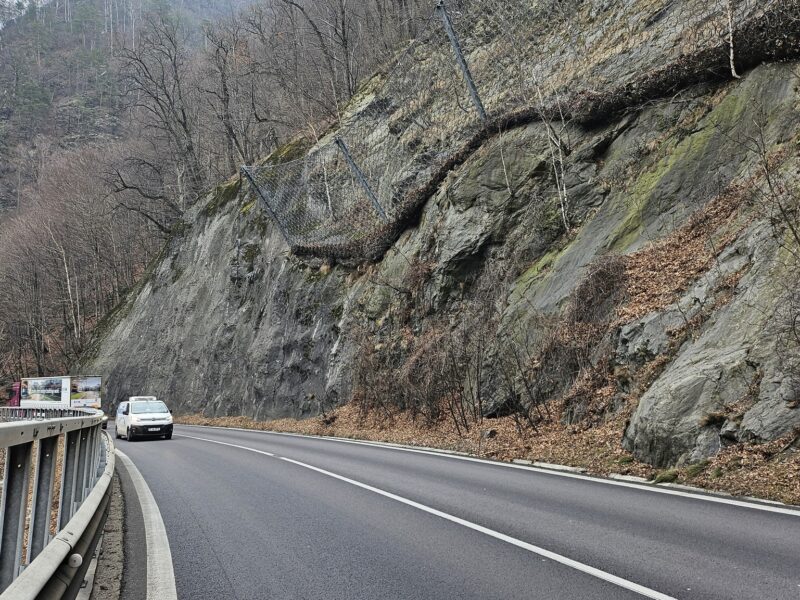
657 274
598 449
769 470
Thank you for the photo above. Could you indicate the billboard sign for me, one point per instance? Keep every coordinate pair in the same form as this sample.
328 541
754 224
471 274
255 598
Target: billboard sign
45 392
60 392
85 392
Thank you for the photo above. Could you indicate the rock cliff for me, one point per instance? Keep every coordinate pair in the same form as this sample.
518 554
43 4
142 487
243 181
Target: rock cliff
663 298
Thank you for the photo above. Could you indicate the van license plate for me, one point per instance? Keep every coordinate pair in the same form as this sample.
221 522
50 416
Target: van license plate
154 429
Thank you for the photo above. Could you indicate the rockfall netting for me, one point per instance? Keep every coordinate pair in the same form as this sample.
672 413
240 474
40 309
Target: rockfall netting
478 67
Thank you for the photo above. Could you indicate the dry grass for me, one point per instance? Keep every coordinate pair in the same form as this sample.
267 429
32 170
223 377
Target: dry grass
597 449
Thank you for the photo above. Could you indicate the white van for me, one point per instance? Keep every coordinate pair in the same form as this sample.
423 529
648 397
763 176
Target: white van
143 416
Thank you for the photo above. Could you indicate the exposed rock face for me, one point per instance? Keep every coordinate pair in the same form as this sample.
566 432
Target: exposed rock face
730 370
229 328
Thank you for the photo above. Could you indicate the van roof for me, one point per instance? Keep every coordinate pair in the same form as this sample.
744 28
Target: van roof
142 399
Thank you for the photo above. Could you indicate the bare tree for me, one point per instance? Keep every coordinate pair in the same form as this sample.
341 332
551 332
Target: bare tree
68 258
157 76
729 13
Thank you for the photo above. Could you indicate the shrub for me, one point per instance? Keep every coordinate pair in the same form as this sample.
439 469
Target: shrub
697 468
668 476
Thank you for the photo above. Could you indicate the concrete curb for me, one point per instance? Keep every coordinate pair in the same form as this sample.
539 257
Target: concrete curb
556 467
86 591
681 486
631 478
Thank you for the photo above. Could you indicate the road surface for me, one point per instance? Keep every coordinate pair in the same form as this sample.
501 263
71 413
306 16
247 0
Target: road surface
251 515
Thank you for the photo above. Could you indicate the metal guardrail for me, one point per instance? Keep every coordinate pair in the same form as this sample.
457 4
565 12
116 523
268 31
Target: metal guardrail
8 413
50 566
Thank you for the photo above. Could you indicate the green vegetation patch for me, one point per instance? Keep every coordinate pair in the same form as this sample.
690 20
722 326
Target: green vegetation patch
668 476
294 149
537 270
248 206
697 468
223 194
681 155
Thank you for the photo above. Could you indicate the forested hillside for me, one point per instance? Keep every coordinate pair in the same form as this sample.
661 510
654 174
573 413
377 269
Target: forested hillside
115 115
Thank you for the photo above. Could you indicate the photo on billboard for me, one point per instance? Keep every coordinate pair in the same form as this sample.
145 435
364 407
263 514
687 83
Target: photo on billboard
45 390
85 392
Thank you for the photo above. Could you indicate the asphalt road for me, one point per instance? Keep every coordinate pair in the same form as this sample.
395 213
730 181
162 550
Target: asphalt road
323 519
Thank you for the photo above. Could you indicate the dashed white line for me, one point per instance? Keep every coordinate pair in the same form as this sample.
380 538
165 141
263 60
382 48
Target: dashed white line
160 573
589 570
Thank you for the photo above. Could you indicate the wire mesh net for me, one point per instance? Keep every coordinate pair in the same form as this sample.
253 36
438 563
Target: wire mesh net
358 188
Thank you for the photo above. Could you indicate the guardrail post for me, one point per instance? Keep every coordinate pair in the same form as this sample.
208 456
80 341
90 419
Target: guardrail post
69 478
84 458
92 461
359 175
54 574
42 501
102 454
441 8
98 444
13 510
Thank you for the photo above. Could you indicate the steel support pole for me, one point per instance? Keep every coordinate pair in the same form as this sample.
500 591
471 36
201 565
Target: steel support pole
264 201
13 510
42 501
72 447
441 8
359 175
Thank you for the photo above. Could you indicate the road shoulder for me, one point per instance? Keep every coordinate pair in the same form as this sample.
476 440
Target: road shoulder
160 578
110 572
134 580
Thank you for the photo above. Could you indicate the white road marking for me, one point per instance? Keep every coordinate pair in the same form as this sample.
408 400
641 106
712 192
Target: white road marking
160 574
589 570
770 507
231 445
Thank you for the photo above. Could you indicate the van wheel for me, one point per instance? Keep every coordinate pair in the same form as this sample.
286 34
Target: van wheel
129 436
168 436
116 433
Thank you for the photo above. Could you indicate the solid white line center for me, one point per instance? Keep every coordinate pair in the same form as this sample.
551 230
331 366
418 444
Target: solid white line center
160 574
589 570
